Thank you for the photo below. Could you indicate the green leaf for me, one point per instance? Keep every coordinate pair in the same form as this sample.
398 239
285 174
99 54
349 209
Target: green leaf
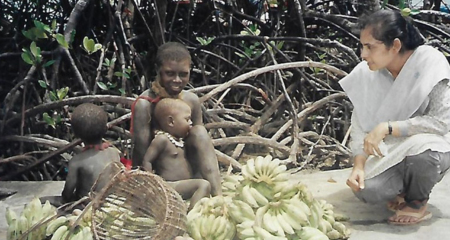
39 33
280 44
102 86
128 70
34 49
49 120
54 24
401 4
62 93
107 62
122 91
27 58
42 83
111 85
61 40
201 40
126 75
53 96
49 63
28 34
97 47
118 74
89 45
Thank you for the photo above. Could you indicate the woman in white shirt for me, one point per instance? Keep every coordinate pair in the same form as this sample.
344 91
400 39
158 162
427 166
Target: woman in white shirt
401 117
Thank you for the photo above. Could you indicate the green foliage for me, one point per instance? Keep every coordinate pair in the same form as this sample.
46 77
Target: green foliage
32 55
203 41
51 121
90 46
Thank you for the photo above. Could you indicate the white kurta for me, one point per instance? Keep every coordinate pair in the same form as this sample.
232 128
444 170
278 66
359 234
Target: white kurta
418 100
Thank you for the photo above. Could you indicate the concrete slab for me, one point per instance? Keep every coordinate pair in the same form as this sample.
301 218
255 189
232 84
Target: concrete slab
367 222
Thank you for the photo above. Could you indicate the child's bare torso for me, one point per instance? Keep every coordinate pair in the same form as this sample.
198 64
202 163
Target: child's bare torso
92 165
172 164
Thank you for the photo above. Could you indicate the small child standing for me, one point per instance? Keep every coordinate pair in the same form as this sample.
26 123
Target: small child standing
166 154
93 165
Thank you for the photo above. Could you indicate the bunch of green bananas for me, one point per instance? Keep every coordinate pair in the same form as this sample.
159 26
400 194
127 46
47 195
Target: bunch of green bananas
33 214
119 221
66 227
209 219
267 204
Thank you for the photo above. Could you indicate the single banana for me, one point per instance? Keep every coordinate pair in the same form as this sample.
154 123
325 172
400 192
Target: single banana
228 186
10 215
277 170
251 168
87 233
264 234
60 232
296 201
22 225
334 234
248 198
287 228
267 223
245 233
260 199
341 228
311 233
194 229
55 224
291 221
297 213
220 229
259 165
12 233
324 226
260 214
329 218
236 214
279 229
246 209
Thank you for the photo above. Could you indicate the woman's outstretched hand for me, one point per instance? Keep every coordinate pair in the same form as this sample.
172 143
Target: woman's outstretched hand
356 179
373 139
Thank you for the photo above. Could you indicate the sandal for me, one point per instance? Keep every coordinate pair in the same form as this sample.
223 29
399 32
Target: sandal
420 217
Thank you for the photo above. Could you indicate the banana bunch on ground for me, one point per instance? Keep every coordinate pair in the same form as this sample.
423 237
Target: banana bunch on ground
32 215
116 216
268 205
265 204
67 227
209 219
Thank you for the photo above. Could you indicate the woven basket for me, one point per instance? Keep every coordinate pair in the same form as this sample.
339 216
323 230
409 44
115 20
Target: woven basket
138 205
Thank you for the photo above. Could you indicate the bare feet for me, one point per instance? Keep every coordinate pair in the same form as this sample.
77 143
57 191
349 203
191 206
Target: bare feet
411 213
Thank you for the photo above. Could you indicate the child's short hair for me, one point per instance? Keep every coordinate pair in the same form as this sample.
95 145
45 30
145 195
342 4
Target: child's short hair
89 122
168 106
172 51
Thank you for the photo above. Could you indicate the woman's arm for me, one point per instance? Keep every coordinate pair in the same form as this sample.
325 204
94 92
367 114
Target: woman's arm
436 119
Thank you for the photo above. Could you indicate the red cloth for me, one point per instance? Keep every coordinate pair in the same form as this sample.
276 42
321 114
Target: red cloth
126 162
152 100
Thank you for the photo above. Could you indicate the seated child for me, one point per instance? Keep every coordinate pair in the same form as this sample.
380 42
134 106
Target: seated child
166 155
89 123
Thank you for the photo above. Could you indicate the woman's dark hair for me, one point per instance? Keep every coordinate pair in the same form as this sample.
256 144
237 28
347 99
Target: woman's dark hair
171 51
387 25
89 123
